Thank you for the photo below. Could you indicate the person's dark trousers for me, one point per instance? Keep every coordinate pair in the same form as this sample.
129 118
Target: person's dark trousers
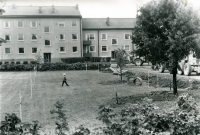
65 83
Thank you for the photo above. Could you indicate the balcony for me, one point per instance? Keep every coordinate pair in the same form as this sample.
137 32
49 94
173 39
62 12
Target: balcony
86 43
87 54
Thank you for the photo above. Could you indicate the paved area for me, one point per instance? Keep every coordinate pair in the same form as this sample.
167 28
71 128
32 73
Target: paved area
147 68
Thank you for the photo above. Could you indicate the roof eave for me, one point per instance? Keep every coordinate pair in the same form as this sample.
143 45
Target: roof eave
108 28
40 16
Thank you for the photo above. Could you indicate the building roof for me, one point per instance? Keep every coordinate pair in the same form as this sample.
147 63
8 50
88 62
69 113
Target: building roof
108 23
17 11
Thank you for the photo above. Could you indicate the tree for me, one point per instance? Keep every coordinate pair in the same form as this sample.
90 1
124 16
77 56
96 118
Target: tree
121 59
2 41
166 31
61 119
38 57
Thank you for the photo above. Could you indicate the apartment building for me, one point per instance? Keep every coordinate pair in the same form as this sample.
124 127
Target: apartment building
101 36
54 32
58 32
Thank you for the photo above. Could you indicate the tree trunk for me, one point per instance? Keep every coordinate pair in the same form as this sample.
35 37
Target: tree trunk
174 84
121 73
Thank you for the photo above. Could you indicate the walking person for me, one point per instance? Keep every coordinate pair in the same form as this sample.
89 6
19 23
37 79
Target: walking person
64 80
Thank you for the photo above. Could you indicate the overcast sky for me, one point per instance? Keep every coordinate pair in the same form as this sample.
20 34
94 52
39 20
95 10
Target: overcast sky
95 8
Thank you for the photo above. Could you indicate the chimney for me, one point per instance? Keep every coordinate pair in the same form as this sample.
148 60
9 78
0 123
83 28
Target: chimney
53 9
108 21
40 10
76 6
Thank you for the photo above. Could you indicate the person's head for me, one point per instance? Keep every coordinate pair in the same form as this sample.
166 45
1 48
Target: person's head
64 74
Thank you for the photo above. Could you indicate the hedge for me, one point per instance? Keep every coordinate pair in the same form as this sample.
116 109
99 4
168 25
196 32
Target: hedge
74 66
82 60
54 66
73 60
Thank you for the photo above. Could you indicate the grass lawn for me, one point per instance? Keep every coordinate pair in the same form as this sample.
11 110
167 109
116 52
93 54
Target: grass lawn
81 99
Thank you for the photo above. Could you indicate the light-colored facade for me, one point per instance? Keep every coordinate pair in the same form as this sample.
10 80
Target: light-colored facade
106 35
54 35
60 32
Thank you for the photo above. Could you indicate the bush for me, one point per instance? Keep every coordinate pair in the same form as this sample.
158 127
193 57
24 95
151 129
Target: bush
145 118
12 62
6 62
73 60
18 62
33 62
1 63
25 62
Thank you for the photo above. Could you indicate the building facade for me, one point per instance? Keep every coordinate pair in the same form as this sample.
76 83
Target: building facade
60 32
106 35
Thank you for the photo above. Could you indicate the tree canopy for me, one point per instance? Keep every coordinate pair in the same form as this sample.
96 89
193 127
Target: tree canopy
165 29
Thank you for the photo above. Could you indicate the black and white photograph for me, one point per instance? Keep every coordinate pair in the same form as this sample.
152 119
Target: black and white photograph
99 67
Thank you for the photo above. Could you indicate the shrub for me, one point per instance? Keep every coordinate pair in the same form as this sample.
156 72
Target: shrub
6 62
1 63
143 118
108 59
33 62
61 119
25 62
12 62
95 59
18 62
73 60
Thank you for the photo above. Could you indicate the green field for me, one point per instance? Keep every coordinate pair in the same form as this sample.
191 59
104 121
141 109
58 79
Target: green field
81 99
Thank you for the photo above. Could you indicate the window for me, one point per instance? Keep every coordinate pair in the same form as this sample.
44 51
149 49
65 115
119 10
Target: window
33 24
20 24
114 41
7 24
62 37
90 37
127 36
61 24
34 50
7 50
92 49
21 51
62 49
46 30
47 42
74 36
127 47
74 23
74 49
20 37
103 36
33 37
7 37
104 49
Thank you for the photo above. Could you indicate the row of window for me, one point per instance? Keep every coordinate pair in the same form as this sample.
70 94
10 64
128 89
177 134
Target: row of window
21 50
34 24
91 36
34 37
104 48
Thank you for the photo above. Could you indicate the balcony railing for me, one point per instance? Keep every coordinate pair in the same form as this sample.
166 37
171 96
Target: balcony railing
87 42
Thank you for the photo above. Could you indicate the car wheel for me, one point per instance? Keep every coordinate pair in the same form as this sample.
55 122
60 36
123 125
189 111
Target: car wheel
138 62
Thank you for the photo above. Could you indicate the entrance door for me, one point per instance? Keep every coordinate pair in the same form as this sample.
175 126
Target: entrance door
47 57
113 55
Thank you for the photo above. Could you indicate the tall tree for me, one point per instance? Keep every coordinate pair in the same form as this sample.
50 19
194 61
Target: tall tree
166 31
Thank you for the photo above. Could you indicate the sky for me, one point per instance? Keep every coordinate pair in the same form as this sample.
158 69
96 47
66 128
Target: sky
95 8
